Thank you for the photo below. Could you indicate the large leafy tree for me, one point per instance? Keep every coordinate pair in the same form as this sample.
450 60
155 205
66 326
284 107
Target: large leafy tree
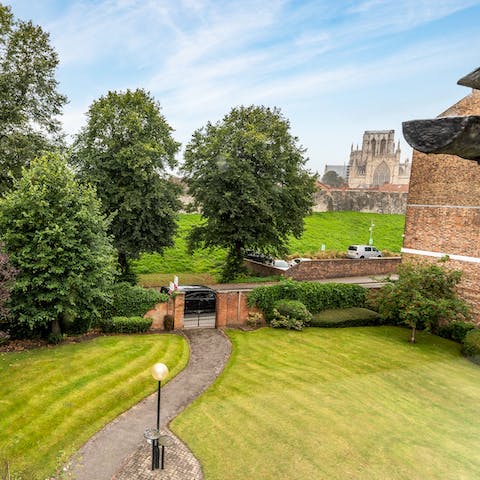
248 179
29 101
333 179
125 150
55 234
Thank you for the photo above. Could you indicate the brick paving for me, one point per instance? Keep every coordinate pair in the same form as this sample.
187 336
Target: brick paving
119 451
179 463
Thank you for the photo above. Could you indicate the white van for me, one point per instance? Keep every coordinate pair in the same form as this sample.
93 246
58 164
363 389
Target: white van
363 251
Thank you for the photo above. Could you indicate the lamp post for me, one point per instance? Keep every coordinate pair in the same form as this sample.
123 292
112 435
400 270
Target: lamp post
370 240
159 373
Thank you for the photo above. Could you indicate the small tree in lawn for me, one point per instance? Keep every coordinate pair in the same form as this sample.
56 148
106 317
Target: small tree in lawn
124 151
247 176
423 297
7 281
55 235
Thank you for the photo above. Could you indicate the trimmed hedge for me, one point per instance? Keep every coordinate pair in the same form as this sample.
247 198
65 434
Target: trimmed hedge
126 325
456 330
130 301
471 345
315 296
346 317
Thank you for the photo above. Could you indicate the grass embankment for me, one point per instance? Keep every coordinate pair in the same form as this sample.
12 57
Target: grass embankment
54 399
335 230
357 403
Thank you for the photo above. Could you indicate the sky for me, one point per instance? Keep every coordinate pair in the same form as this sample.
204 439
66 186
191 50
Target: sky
335 68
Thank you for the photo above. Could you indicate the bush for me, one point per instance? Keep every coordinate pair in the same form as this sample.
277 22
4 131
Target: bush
126 325
455 331
129 300
471 345
4 338
315 296
424 296
346 317
290 314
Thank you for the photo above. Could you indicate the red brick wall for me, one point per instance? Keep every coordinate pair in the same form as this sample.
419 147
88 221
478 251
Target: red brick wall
334 268
443 211
232 308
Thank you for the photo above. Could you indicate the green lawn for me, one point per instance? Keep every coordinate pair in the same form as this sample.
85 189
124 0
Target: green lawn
336 230
354 403
54 399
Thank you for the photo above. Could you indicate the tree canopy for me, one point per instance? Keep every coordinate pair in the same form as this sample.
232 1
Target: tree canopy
55 235
29 101
247 176
124 151
333 179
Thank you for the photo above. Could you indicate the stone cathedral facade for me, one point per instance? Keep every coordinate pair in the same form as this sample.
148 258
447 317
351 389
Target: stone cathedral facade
378 162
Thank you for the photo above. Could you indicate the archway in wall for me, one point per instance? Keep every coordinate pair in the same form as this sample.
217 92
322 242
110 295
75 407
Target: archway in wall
381 175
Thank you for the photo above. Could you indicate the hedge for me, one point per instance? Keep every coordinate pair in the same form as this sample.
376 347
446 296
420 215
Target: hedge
125 325
471 345
347 317
315 296
456 330
130 301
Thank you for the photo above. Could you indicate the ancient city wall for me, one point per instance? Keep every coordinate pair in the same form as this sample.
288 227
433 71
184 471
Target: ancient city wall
366 201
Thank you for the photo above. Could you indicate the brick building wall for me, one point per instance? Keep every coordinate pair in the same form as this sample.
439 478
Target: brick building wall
443 210
333 268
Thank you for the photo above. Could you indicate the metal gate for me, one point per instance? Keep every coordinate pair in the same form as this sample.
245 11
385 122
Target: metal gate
199 320
200 307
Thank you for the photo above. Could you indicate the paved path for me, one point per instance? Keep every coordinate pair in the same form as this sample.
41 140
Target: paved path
119 450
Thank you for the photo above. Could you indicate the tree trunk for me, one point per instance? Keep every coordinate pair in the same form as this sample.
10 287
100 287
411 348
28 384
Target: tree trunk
56 330
412 338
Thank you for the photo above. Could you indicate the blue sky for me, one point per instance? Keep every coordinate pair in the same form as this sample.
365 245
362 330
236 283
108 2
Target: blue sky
335 68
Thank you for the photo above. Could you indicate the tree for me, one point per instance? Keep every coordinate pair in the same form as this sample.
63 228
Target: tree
29 101
423 297
246 174
333 179
55 235
7 281
124 150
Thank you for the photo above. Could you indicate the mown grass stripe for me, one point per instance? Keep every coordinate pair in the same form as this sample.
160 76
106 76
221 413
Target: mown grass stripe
71 391
340 403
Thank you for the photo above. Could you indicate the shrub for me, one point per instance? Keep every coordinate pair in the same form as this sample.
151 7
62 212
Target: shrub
4 338
55 338
293 309
126 325
254 319
346 317
168 322
129 300
315 296
423 297
455 330
290 314
471 345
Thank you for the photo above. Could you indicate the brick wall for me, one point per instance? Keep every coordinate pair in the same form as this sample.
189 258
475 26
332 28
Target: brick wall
174 306
232 308
333 268
443 210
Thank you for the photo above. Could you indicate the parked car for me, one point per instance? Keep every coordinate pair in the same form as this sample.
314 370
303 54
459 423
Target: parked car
295 261
363 251
280 264
257 257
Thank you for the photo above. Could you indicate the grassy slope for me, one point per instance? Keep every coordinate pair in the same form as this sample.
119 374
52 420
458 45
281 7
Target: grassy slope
54 399
336 230
357 403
